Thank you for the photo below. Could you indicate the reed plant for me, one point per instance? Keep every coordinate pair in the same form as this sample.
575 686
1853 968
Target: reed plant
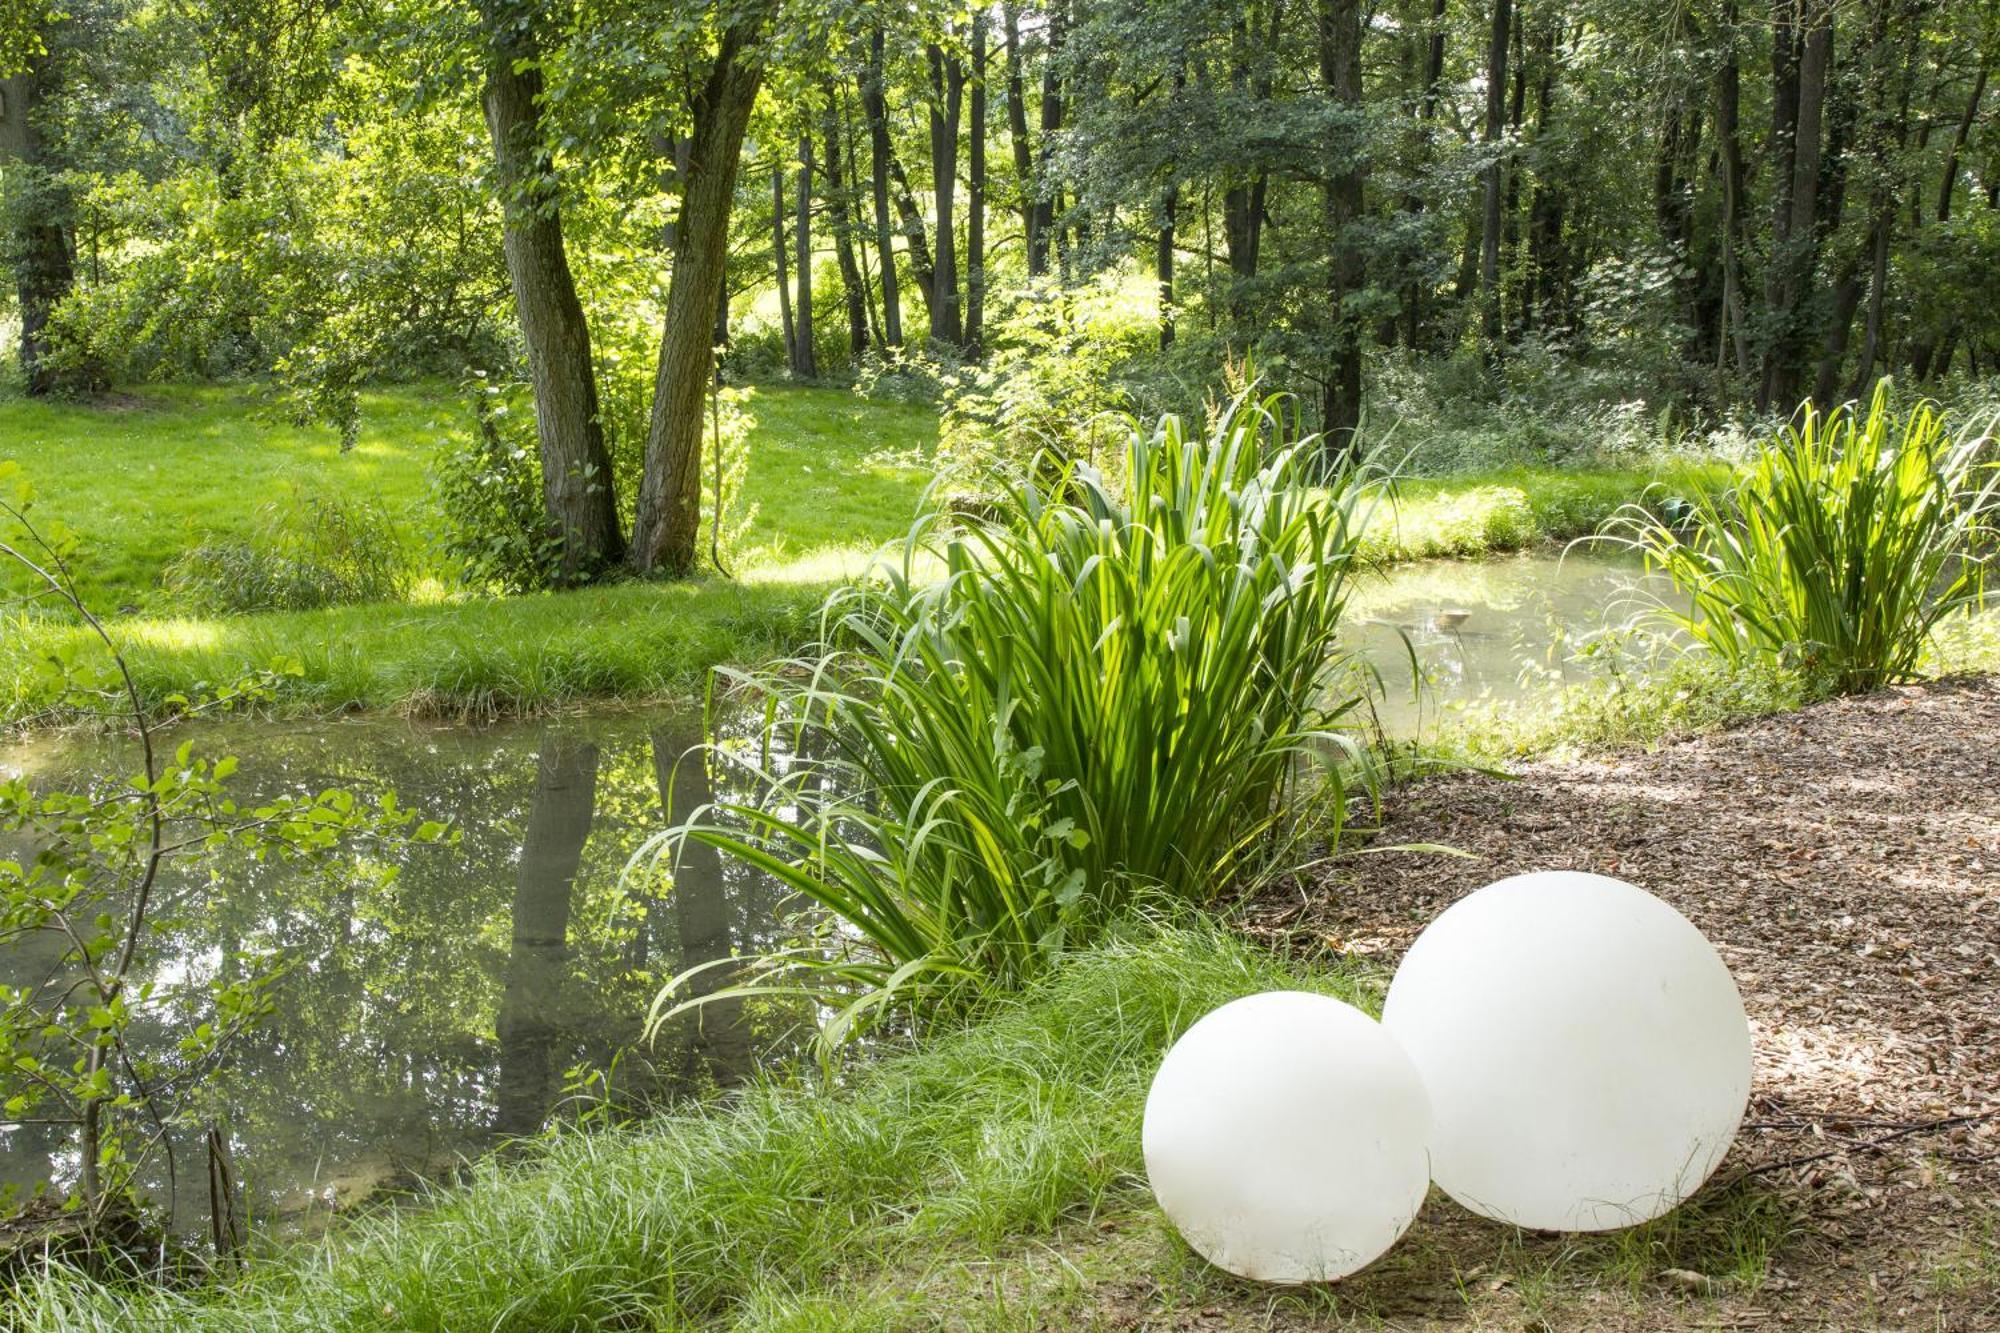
1024 729
1848 541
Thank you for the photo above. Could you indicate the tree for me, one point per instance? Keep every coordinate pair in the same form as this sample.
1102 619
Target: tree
668 520
577 480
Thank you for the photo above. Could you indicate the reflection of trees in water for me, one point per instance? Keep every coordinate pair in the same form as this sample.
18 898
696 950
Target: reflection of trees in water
436 1002
531 1005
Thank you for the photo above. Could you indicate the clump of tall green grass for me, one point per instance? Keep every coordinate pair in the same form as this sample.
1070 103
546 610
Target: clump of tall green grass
989 1130
1025 727
1846 543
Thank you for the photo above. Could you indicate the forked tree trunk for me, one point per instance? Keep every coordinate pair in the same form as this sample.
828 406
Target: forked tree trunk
577 483
853 286
669 512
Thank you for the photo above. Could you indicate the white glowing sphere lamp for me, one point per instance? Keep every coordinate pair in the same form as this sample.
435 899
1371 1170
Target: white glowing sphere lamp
1585 1051
1284 1137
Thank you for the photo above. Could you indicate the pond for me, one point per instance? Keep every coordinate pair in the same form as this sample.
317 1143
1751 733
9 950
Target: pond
426 1020
1499 630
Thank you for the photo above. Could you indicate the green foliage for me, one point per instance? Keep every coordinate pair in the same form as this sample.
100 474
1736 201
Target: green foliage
994 1129
1102 701
1048 392
487 486
310 551
1845 545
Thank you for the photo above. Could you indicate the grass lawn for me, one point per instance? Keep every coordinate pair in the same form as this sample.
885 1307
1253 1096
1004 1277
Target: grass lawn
141 478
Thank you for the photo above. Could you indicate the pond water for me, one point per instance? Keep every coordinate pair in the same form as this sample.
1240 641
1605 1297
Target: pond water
429 1019
1496 630
425 1020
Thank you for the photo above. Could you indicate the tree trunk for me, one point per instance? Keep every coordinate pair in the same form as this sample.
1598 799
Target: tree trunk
874 105
37 210
854 288
529 1023
1433 80
1950 181
1017 131
805 361
1340 71
947 102
975 191
1039 233
1548 283
669 512
1489 228
1728 100
1802 52
1163 263
781 246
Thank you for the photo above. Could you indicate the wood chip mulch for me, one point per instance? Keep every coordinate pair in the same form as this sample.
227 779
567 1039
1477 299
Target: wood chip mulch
1845 860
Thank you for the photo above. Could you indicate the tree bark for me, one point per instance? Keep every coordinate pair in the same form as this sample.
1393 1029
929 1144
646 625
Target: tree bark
1802 53
669 511
874 105
805 360
1039 232
854 288
781 246
1489 228
947 104
975 190
1017 130
1340 71
578 487
1728 101
39 246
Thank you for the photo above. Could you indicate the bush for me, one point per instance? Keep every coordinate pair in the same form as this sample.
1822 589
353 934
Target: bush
309 551
1103 701
1846 544
488 487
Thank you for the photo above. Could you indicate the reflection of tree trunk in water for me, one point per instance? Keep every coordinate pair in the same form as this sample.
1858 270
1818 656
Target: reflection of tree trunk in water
551 850
706 917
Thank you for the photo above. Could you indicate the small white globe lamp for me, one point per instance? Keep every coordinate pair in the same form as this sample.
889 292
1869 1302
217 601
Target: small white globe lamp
1284 1136
1585 1051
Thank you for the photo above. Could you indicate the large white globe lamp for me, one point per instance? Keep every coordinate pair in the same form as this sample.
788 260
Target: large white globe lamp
1284 1136
1585 1051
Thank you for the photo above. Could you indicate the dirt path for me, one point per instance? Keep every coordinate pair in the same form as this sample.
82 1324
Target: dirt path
1846 862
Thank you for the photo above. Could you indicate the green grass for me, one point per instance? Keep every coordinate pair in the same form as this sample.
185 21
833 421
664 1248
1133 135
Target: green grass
831 478
1001 1130
1505 509
146 475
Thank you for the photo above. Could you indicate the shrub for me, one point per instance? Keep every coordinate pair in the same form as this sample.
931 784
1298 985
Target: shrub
1846 543
488 487
309 551
1024 728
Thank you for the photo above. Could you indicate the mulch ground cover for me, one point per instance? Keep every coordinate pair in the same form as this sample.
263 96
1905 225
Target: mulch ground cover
1845 860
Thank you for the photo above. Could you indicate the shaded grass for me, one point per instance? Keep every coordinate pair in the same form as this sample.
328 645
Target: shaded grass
1004 1128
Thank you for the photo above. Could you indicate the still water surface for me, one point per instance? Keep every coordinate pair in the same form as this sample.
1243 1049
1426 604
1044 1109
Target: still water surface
426 1020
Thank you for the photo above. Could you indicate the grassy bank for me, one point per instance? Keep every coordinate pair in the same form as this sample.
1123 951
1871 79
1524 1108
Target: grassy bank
1001 1130
142 477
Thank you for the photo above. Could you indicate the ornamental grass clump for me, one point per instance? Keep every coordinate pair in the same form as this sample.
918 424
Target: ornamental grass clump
1019 731
1840 551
